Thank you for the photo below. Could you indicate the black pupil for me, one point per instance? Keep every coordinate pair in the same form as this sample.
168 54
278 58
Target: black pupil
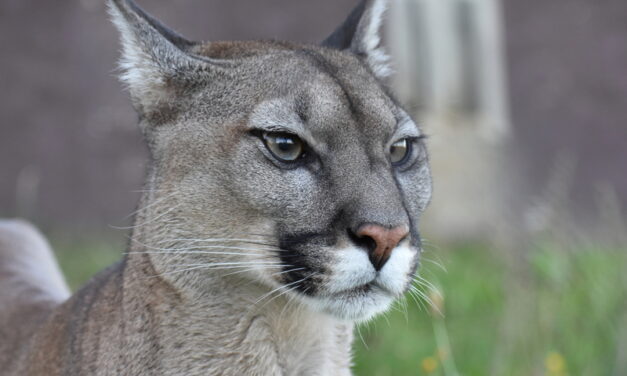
399 151
285 144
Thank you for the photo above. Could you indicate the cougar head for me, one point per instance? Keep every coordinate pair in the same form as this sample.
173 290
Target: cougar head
291 164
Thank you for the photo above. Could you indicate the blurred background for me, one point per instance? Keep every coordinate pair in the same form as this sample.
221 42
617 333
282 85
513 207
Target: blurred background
525 103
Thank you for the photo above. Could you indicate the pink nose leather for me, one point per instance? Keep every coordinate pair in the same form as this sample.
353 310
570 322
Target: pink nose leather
385 239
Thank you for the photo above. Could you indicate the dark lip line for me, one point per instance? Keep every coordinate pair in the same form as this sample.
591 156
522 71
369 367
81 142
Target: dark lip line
365 288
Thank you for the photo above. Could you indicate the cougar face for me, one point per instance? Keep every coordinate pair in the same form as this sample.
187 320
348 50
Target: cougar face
294 160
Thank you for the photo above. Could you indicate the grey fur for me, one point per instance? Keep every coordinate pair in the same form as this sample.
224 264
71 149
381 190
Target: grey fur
240 264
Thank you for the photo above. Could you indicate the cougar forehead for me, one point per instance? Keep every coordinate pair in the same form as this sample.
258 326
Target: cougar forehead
331 93
266 70
318 80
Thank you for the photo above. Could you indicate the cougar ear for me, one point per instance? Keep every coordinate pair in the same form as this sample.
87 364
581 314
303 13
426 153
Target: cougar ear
361 34
154 58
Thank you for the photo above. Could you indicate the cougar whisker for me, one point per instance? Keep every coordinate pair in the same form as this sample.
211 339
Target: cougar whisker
288 271
417 300
200 247
294 287
231 240
281 287
209 247
422 296
423 282
291 299
231 263
152 220
153 204
212 268
439 264
358 328
176 252
239 271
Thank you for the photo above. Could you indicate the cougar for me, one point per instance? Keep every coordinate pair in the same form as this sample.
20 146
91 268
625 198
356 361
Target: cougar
281 207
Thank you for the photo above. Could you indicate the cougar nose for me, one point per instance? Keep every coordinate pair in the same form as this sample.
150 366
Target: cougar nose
380 241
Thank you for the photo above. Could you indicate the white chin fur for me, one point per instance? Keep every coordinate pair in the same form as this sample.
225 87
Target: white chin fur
351 270
356 306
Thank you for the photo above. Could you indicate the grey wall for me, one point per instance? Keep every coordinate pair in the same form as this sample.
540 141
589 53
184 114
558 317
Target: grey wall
568 91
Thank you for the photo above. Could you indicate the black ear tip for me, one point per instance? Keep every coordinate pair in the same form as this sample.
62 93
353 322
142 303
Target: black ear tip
343 36
121 4
131 11
126 7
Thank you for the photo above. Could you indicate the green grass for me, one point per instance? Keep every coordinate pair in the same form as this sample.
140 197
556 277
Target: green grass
551 311
81 260
558 312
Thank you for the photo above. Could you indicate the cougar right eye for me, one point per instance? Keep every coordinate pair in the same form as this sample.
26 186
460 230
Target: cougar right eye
284 146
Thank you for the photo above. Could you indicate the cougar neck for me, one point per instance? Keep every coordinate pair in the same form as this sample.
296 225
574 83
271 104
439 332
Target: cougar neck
231 324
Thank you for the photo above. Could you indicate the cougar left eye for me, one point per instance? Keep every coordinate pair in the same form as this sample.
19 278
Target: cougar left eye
400 151
284 146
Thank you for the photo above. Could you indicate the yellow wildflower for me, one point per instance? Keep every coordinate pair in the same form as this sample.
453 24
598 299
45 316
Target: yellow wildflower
429 364
555 363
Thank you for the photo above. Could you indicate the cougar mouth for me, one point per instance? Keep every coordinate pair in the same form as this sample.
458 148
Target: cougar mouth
345 284
364 289
357 304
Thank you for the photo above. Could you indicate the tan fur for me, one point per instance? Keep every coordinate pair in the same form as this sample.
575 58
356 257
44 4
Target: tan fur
127 322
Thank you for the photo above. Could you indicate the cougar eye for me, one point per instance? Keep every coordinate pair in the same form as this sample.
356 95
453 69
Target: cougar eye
284 146
400 152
